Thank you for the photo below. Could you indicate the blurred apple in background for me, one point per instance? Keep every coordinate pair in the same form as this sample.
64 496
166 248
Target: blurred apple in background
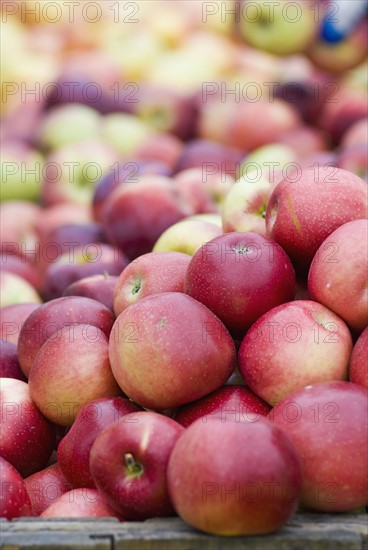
162 147
9 364
358 372
272 160
356 133
151 273
212 157
18 231
14 499
13 263
97 287
55 315
16 290
186 236
355 159
124 132
27 438
59 215
12 319
45 487
21 172
283 334
338 273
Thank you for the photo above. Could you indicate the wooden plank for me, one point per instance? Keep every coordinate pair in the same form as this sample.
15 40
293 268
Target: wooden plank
303 532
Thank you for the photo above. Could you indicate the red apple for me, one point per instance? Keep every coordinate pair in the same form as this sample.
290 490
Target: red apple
210 156
71 368
273 358
97 287
229 402
45 487
79 503
18 233
340 284
358 372
327 423
355 160
157 369
74 449
240 276
12 320
303 210
151 273
135 215
129 461
234 478
60 215
54 316
14 499
356 133
21 267
163 147
9 365
27 438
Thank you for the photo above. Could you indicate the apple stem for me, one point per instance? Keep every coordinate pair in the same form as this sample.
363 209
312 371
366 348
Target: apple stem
132 466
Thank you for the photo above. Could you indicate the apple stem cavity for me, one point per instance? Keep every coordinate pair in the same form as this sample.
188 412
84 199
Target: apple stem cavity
136 287
134 469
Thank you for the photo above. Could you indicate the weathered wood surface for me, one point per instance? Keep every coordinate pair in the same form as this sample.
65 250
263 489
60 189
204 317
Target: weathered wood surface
303 532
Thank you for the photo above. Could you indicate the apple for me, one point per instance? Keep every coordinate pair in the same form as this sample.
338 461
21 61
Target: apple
9 365
74 448
50 318
273 358
306 207
14 289
27 438
18 233
21 172
13 318
186 236
354 159
210 155
358 372
244 208
135 215
61 387
128 463
157 369
14 499
71 172
340 284
79 503
22 267
97 287
45 487
343 56
356 133
79 262
271 160
162 147
252 491
124 133
240 276
60 215
327 423
305 141
281 28
68 124
151 273
229 402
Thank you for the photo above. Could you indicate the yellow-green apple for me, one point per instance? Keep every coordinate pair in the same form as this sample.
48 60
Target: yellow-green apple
240 276
271 160
68 125
284 334
27 438
14 499
186 236
14 289
13 318
151 273
358 371
228 403
79 503
128 463
71 172
343 56
81 261
234 478
22 267
205 187
338 273
280 28
246 124
169 371
328 425
9 364
45 486
97 287
307 206
125 133
354 159
74 448
21 172
135 215
244 207
124 172
70 369
51 317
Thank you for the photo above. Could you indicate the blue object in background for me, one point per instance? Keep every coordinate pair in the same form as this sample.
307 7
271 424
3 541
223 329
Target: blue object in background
342 18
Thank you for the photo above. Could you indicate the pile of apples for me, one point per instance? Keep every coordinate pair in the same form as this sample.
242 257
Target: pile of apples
184 253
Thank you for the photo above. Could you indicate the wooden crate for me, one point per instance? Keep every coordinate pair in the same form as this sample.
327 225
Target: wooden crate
303 532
